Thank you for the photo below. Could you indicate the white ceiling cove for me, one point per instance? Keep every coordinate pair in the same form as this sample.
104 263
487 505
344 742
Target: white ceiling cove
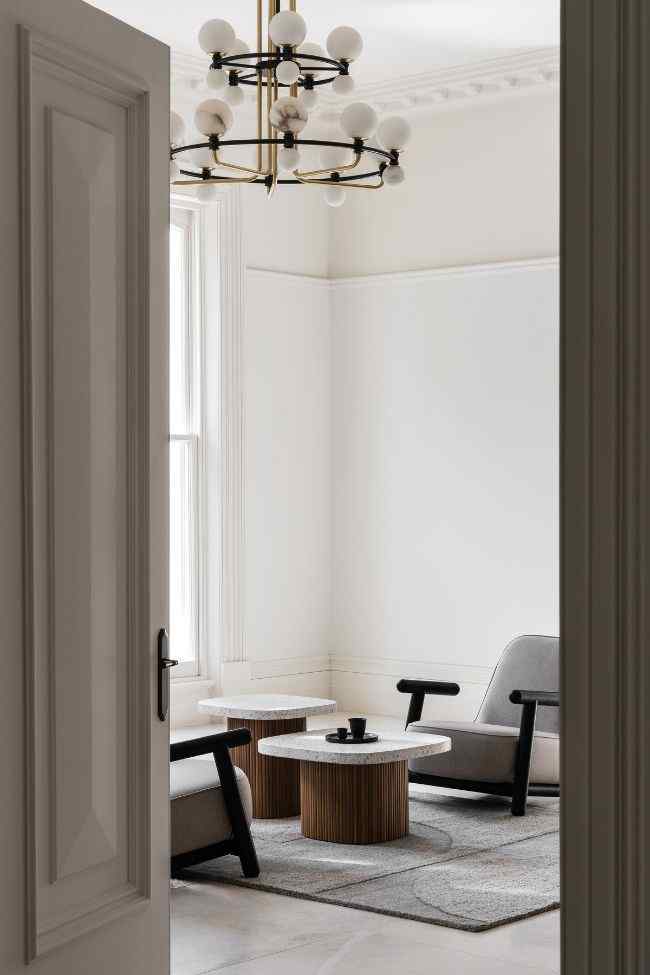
401 37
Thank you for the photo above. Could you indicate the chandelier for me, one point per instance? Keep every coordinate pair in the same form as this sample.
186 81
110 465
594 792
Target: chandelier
287 72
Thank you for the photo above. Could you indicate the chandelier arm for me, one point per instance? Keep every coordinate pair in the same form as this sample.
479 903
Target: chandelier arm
329 169
240 169
348 181
213 179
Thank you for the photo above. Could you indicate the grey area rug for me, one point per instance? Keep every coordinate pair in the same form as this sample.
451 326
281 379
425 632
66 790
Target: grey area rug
467 863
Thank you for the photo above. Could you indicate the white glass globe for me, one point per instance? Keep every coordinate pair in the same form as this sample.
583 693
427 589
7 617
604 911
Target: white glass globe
239 47
335 196
394 132
344 44
234 95
213 117
198 158
176 129
216 37
288 115
308 98
333 157
343 84
287 28
359 120
216 79
287 72
314 50
206 192
288 159
393 175
174 171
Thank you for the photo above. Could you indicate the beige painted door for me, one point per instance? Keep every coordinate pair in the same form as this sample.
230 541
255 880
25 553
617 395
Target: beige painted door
83 521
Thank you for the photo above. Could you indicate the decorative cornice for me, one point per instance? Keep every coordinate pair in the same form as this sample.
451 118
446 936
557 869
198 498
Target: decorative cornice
396 277
441 88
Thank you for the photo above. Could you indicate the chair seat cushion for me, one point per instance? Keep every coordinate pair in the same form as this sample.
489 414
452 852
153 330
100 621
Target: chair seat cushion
198 812
486 753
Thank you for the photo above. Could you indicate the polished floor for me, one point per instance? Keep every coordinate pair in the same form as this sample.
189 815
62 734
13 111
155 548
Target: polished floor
216 928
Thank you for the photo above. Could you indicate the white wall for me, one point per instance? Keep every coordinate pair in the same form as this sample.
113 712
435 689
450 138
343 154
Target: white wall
481 185
287 478
445 500
399 433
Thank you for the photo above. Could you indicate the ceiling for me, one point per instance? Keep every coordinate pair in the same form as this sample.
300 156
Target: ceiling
401 37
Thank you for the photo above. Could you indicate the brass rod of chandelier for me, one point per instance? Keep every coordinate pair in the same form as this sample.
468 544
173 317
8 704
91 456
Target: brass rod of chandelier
241 169
269 90
329 169
343 185
260 88
293 91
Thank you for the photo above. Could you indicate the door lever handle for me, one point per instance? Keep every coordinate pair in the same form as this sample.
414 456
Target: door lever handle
165 664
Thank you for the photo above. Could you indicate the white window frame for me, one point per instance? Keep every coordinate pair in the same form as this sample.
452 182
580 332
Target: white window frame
186 214
222 288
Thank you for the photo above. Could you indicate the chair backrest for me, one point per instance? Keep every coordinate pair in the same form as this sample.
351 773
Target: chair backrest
530 663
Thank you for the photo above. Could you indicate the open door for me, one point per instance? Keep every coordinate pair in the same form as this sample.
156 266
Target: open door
83 526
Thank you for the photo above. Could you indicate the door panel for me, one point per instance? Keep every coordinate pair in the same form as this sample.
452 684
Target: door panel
93 326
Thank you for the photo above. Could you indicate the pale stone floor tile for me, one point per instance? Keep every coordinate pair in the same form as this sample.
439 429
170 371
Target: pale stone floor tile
249 932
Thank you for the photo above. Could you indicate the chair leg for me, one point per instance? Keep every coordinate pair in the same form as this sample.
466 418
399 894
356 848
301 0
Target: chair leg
240 829
522 761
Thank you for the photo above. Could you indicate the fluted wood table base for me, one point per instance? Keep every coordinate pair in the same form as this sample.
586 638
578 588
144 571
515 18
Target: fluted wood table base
275 782
354 803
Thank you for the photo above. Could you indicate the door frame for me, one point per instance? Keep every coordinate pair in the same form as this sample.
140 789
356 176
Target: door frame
605 486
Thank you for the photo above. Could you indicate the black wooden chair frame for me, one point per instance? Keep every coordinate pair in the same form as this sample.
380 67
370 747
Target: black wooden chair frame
240 844
520 789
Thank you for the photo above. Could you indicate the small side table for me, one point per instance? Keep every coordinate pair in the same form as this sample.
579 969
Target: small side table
354 793
275 782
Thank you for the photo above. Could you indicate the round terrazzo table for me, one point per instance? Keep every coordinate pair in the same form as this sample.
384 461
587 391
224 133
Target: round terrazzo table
275 783
353 793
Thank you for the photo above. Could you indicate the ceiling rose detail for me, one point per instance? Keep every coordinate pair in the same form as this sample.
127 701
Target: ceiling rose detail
287 73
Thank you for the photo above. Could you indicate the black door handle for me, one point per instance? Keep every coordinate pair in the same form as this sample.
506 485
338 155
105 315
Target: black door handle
165 664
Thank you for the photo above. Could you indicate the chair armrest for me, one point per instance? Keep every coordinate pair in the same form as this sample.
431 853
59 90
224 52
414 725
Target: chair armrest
549 699
209 744
428 687
418 688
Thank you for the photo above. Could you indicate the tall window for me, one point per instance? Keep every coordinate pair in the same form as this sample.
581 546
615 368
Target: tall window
186 447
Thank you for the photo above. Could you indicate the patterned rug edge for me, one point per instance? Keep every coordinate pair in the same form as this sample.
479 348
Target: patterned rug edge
473 927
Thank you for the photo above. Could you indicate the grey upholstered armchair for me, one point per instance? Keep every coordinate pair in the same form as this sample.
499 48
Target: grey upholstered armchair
512 748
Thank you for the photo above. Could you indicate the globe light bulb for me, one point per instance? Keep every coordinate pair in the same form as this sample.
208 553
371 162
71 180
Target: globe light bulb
343 84
359 120
288 159
216 79
393 175
238 48
344 44
202 158
288 115
234 95
335 196
213 117
394 133
287 29
308 98
334 157
176 129
287 72
174 171
314 50
216 37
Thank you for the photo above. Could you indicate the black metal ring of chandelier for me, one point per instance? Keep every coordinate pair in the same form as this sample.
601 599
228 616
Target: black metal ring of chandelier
290 141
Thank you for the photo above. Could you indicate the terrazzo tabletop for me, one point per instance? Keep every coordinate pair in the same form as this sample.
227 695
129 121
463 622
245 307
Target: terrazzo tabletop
266 707
310 746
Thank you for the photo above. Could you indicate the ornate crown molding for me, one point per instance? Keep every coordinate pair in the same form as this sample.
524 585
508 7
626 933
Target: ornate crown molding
515 73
